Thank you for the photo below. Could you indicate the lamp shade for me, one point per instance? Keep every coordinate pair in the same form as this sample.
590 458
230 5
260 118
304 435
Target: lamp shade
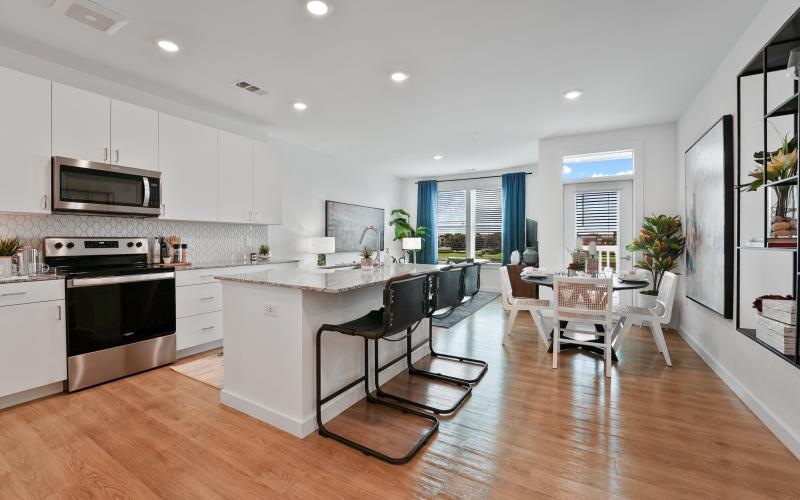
412 243
322 245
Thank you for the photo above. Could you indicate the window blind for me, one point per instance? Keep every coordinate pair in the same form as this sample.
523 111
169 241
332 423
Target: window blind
451 221
597 215
488 223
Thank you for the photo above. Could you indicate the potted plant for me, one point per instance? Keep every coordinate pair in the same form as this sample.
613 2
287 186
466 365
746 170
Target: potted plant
366 258
264 251
661 243
403 229
8 247
780 164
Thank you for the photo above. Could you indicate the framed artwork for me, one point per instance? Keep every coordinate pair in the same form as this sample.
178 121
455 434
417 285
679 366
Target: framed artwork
709 219
350 224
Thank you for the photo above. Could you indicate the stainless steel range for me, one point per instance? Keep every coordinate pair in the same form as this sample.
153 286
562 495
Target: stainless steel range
120 310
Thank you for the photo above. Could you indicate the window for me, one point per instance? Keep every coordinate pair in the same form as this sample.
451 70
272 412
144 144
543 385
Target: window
470 223
598 166
597 218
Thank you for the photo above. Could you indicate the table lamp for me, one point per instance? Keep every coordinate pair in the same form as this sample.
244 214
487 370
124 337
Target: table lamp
321 246
412 244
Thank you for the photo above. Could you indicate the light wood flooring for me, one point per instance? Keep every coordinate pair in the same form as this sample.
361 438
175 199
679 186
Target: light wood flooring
528 431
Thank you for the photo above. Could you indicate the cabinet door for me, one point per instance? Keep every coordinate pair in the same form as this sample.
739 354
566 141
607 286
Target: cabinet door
80 124
235 178
266 184
134 136
187 157
34 343
24 142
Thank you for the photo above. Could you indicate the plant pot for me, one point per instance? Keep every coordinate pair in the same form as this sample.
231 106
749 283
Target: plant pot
367 263
647 301
5 266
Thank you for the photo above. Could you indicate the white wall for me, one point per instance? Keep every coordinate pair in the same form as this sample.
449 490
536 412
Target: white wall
766 383
310 178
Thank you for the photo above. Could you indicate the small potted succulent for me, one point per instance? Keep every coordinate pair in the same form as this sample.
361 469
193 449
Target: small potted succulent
8 247
264 252
366 258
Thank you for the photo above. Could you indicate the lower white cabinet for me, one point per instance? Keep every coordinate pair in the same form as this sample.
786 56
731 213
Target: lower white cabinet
198 330
33 337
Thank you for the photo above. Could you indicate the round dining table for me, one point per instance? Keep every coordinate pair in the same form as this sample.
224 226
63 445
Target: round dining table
619 286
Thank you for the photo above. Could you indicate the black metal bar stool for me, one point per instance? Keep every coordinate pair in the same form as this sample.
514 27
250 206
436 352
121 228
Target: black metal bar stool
405 304
450 287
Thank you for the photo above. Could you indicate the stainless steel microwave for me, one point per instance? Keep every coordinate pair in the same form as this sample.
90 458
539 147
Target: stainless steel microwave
101 188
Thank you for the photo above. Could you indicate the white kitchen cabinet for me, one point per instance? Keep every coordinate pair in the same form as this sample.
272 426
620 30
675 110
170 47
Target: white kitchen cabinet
33 336
81 124
266 184
235 178
187 155
134 136
24 142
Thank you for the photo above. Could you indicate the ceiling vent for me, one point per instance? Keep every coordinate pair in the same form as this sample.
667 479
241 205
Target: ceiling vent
253 89
91 14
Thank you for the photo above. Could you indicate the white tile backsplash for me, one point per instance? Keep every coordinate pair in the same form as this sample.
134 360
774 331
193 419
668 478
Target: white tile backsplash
208 241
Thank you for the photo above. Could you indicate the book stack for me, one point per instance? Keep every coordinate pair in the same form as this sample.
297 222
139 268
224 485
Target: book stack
776 324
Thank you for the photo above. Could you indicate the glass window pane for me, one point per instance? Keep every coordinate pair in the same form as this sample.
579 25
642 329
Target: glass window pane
599 165
451 224
488 223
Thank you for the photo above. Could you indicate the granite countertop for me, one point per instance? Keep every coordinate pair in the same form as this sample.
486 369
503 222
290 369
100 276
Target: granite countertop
329 280
30 278
232 263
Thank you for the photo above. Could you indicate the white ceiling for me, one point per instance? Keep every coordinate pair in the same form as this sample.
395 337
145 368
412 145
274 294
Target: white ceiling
486 75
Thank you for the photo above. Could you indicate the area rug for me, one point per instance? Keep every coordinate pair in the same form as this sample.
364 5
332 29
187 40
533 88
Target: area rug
208 370
480 300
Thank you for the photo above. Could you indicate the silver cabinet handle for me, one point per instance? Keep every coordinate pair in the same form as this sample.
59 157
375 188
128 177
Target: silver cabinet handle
59 313
207 328
207 276
256 212
116 151
44 202
207 298
14 294
163 209
105 154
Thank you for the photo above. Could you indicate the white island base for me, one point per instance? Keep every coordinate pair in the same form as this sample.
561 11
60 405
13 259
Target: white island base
270 341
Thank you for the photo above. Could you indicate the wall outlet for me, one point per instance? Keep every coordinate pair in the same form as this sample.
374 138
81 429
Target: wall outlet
270 310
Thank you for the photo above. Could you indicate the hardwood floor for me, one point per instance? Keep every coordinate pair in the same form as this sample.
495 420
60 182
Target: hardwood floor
528 431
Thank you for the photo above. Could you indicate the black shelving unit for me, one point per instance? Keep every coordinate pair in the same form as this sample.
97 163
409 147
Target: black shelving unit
773 57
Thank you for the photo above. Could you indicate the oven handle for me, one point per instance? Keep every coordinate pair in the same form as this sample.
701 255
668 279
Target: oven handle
115 280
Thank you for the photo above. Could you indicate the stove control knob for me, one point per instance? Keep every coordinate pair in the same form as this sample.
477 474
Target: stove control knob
138 244
70 245
130 244
58 245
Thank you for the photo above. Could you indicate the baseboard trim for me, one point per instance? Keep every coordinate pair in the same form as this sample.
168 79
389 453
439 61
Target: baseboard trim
773 423
31 394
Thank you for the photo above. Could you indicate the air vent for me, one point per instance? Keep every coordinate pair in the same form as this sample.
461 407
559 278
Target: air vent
253 89
91 14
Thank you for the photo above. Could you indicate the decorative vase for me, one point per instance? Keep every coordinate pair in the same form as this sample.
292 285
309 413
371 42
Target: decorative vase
367 263
5 266
782 223
514 258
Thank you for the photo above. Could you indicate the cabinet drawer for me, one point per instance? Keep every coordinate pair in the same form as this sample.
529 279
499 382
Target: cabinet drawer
197 276
30 292
196 330
198 299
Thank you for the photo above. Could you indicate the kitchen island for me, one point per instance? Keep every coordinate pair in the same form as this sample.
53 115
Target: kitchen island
270 322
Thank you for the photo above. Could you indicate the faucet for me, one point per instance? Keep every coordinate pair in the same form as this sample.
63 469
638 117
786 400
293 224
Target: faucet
378 234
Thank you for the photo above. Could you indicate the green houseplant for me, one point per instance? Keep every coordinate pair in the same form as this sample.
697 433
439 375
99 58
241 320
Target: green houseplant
263 250
404 229
8 247
661 243
366 258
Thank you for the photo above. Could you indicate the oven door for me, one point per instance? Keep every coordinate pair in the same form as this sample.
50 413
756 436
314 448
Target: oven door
83 186
113 311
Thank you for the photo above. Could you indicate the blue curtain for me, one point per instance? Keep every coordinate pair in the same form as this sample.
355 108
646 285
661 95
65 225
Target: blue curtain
426 216
513 214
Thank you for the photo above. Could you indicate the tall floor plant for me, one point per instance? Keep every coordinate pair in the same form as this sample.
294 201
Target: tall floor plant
662 243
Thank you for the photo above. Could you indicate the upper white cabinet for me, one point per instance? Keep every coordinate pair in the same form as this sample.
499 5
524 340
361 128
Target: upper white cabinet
266 184
134 136
235 178
188 161
81 122
24 142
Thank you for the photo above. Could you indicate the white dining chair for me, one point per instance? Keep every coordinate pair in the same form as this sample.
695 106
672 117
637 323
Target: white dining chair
655 316
516 304
583 301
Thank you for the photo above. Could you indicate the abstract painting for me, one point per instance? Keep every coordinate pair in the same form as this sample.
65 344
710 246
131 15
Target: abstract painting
709 219
350 225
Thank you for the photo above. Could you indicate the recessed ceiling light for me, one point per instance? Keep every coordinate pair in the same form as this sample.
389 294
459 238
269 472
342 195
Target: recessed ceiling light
300 106
318 7
399 76
437 157
573 94
168 46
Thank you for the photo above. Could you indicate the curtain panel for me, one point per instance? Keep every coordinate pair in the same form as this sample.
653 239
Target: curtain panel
513 214
426 216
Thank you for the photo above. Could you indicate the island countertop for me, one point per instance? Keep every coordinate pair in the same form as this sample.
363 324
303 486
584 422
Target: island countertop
328 280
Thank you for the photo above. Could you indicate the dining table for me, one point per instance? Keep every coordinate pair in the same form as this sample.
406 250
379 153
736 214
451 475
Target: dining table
620 285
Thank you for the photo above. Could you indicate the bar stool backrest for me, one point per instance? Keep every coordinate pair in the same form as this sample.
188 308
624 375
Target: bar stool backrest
472 279
405 302
447 289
